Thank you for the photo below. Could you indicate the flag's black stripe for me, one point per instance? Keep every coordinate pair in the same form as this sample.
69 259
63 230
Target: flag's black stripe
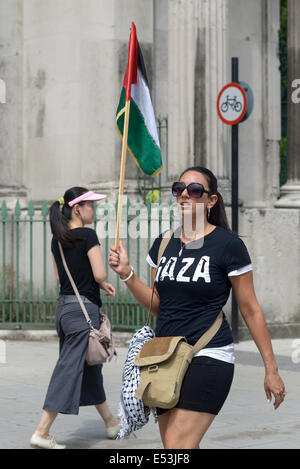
141 65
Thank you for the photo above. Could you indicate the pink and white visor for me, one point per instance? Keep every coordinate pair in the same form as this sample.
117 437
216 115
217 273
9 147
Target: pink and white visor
93 196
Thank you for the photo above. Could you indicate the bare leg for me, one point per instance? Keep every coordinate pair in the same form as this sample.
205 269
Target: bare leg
183 429
46 421
109 419
163 420
112 423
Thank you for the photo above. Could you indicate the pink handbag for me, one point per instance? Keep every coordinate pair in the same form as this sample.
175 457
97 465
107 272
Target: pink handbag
100 347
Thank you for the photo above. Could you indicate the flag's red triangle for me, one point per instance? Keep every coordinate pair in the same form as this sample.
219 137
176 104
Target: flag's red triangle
131 70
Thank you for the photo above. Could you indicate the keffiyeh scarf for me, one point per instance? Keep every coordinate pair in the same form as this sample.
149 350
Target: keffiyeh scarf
132 412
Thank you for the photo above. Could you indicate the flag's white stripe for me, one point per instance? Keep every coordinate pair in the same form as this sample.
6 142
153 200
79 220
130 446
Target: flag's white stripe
140 94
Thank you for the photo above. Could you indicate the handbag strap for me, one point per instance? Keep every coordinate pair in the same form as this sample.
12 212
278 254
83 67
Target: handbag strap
74 287
164 242
209 334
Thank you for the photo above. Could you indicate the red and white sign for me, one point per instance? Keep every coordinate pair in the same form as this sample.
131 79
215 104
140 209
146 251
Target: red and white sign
232 104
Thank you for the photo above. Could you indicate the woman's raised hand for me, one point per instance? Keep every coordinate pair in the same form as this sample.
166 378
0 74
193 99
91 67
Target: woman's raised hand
118 260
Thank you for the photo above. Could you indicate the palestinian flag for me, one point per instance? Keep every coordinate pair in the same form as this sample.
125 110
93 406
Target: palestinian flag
142 140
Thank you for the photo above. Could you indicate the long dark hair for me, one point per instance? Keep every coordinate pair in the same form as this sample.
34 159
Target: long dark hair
217 215
60 216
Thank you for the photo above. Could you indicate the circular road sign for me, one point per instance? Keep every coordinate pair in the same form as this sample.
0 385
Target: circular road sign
232 104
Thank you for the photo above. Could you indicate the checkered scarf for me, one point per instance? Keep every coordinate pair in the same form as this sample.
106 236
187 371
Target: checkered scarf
132 412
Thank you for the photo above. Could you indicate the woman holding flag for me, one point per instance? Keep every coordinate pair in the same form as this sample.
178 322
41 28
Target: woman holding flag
193 279
203 260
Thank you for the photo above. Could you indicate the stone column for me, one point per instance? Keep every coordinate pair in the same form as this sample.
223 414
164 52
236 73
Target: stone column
11 99
2 92
271 102
182 49
211 151
75 56
197 71
290 192
160 79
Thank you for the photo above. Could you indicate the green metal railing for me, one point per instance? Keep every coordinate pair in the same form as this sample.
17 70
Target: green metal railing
20 303
29 291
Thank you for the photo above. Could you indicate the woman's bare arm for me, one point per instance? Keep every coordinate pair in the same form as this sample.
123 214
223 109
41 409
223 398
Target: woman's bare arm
97 264
254 318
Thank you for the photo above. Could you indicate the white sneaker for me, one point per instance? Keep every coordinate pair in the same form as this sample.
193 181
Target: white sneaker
43 443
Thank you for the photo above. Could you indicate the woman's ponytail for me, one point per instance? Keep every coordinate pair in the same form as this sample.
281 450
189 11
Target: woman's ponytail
60 225
60 214
218 215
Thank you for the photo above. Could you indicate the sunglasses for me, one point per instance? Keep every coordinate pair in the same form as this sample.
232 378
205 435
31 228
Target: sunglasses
195 189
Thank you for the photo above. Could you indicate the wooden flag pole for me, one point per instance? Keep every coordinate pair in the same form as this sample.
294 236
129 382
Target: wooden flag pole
122 173
130 78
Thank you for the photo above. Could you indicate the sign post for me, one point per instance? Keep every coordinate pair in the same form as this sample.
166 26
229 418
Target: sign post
233 107
235 195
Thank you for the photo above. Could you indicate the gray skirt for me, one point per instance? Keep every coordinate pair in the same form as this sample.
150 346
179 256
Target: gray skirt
74 383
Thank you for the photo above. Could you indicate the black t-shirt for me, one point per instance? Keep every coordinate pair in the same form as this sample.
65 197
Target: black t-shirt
79 265
193 285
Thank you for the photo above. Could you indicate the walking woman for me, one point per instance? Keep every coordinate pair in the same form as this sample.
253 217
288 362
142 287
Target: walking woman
192 285
74 383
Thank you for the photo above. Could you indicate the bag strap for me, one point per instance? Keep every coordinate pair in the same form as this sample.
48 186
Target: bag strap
74 287
164 242
209 334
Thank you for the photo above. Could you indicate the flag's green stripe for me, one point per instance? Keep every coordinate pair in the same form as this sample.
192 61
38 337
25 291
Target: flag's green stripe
121 103
142 146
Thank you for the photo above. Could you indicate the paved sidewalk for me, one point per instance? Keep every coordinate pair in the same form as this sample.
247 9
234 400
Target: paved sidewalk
247 421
